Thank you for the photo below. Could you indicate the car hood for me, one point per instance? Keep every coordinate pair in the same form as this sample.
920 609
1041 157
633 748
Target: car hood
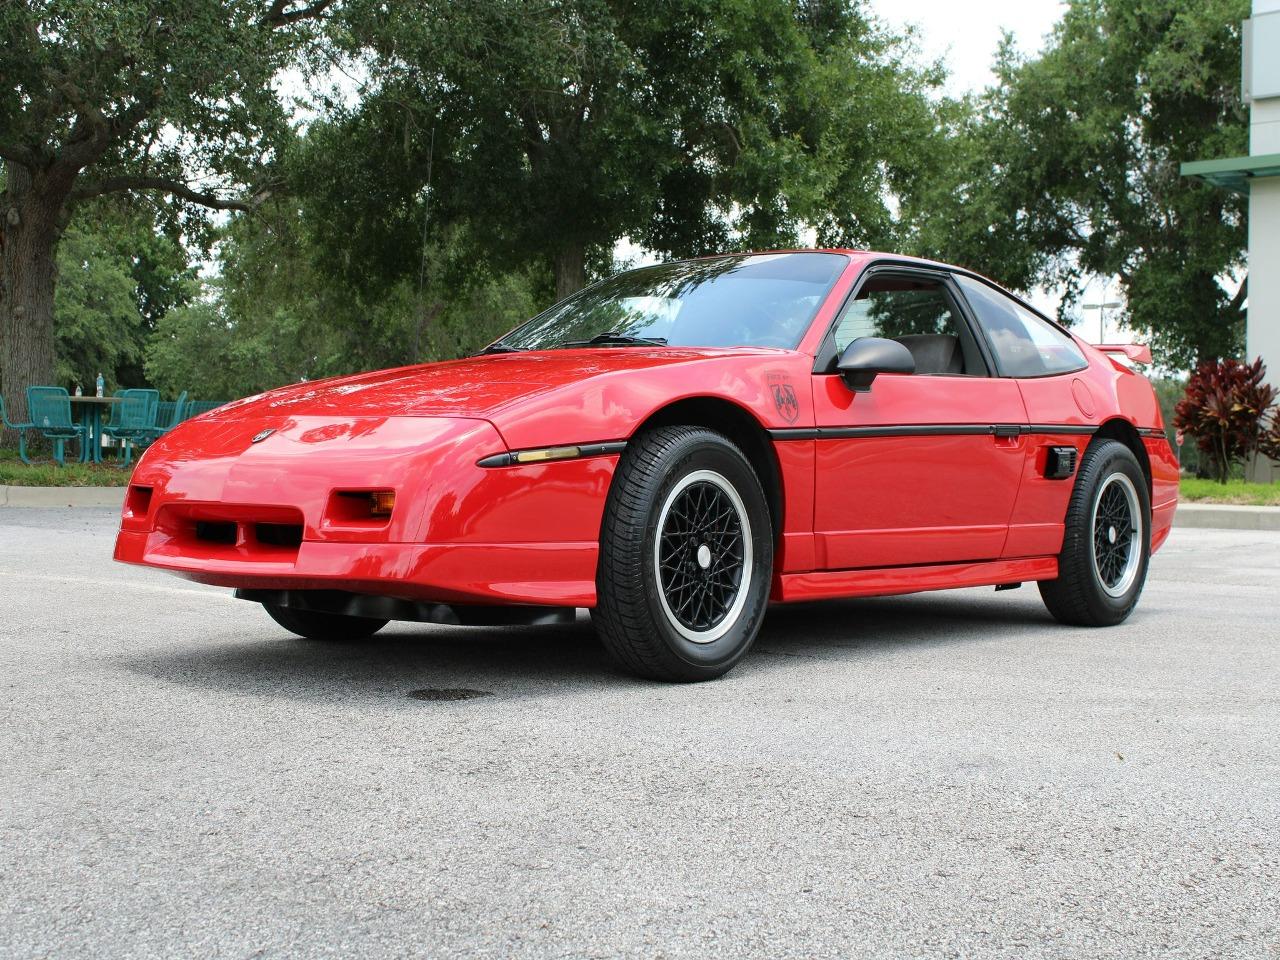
471 387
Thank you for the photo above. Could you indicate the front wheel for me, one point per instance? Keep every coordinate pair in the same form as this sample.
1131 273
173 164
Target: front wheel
315 625
686 556
1107 541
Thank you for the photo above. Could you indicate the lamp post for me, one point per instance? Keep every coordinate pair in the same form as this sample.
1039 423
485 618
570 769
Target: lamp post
1102 309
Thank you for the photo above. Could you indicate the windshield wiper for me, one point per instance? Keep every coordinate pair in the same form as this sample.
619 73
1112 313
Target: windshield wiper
616 339
500 347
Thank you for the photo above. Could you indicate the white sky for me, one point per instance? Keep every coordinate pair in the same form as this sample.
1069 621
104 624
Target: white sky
965 35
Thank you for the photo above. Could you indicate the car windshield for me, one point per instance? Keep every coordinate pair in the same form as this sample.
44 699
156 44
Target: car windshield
765 300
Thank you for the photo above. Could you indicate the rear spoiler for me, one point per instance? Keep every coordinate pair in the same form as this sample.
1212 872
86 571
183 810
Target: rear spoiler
1137 352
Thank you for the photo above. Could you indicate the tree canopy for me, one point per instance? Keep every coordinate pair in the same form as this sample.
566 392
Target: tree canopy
552 128
1069 167
272 316
486 156
173 97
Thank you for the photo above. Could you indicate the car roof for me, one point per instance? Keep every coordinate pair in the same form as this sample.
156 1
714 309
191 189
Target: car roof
864 254
903 258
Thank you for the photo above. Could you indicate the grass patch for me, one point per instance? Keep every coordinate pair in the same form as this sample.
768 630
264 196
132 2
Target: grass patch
1196 490
15 473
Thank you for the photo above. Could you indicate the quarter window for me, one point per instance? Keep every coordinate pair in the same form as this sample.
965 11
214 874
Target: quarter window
1024 344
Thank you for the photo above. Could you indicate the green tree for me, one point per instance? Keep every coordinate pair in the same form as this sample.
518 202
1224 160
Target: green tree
551 128
1069 167
98 325
272 316
171 97
119 273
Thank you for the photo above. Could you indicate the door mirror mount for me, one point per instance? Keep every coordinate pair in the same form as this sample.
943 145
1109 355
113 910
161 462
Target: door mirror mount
867 357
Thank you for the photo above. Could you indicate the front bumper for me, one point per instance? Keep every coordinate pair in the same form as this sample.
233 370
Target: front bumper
211 504
561 574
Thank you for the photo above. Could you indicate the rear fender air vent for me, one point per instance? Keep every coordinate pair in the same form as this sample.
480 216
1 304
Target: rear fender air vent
1060 462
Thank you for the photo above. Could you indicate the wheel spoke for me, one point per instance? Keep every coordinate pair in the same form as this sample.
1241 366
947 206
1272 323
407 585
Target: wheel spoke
1115 531
701 525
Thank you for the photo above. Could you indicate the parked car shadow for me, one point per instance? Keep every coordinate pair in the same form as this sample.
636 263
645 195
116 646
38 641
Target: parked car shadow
879 626
261 659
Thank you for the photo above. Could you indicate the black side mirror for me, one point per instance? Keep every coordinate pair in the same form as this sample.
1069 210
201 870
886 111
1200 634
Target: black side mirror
866 357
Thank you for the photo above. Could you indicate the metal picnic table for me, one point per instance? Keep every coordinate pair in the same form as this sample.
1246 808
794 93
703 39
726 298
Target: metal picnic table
91 417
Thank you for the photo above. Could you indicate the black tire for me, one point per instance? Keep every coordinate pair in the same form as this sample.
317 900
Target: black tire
1100 573
313 625
698 616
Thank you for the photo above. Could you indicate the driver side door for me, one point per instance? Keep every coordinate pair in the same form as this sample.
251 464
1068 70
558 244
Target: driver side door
923 468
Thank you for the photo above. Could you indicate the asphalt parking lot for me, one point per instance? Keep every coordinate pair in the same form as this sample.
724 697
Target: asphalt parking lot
945 775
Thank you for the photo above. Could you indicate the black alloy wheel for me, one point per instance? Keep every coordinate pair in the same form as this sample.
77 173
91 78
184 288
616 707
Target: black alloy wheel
686 556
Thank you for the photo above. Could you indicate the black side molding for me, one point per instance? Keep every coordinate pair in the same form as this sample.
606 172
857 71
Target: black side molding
933 430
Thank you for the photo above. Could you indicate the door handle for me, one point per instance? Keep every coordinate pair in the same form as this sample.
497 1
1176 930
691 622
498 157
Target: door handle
1007 435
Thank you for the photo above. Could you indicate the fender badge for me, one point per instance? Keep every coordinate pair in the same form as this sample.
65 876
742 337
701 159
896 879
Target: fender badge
784 396
259 437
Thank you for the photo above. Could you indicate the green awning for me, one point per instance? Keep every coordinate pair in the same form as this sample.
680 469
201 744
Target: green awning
1234 173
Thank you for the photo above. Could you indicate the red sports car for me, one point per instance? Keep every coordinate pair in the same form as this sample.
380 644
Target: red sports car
675 447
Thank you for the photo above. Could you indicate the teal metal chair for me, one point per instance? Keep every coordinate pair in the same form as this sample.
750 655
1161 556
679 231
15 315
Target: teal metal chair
114 419
135 421
50 412
168 415
20 428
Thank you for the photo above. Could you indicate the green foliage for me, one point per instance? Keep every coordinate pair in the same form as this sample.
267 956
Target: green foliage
15 473
274 317
1226 409
117 277
1069 167
146 94
96 318
172 99
552 129
1198 490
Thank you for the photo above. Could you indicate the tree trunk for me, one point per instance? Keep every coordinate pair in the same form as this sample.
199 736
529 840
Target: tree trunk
31 222
571 270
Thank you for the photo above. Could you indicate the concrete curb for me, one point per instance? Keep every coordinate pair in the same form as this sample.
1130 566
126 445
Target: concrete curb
62 496
1225 516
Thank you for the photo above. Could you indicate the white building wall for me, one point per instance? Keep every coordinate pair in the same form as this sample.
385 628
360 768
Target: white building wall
1264 273
1263 324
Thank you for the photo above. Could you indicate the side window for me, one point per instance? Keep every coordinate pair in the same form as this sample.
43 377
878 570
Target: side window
1024 345
920 315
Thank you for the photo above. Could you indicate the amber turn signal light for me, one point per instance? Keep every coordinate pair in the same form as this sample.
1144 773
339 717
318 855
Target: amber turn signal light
382 502
550 453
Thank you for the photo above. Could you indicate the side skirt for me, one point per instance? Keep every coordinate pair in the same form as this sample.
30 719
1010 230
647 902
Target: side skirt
393 608
888 581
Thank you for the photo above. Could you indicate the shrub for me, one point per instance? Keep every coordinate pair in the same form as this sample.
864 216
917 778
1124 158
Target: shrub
1226 409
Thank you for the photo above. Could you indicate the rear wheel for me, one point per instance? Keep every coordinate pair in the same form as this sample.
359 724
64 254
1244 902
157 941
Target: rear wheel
1107 542
686 556
314 625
